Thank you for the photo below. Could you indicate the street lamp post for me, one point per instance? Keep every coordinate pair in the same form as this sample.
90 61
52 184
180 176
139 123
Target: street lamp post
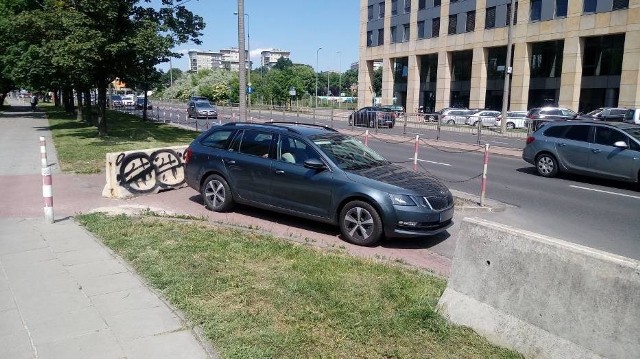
340 77
317 51
507 70
249 51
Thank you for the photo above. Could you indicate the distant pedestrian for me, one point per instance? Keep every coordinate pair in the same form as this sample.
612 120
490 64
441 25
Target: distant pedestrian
34 102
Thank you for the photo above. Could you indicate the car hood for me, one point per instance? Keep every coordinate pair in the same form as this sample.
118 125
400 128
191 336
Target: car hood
396 179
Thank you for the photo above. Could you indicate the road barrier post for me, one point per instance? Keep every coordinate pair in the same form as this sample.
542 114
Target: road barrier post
415 153
332 117
366 138
43 152
438 128
483 186
479 129
271 112
47 192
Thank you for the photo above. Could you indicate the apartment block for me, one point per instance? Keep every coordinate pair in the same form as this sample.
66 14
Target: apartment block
224 59
268 58
580 54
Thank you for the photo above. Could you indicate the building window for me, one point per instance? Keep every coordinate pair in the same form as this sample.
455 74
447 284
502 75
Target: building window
620 4
369 38
453 24
406 32
381 10
394 37
421 30
436 3
536 9
422 4
370 12
380 37
490 20
394 7
590 5
471 21
561 8
546 59
435 27
515 14
407 6
603 55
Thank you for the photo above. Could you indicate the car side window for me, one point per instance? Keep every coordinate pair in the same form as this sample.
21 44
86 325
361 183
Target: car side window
217 139
555 131
253 142
294 150
608 136
577 133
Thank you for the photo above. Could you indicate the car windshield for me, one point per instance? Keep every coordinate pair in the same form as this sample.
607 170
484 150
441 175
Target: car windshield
594 112
349 153
116 97
633 132
203 104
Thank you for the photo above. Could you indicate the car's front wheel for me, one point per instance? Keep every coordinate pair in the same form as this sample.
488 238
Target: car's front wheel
546 165
511 125
216 194
360 223
371 123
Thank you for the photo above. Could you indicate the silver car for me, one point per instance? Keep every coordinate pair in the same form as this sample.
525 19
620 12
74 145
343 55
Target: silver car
593 148
455 116
489 118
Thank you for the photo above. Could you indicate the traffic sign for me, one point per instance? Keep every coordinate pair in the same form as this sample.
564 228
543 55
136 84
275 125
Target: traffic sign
249 89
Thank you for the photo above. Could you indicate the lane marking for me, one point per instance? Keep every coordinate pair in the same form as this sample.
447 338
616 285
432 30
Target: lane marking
504 143
435 163
607 192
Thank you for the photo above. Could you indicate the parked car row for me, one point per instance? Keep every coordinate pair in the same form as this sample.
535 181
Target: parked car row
373 116
537 116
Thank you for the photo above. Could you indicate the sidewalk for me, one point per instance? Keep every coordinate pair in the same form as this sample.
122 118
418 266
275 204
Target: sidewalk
63 294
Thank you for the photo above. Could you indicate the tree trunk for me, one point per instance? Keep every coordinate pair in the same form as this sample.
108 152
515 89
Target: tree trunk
88 108
79 114
56 97
144 105
102 110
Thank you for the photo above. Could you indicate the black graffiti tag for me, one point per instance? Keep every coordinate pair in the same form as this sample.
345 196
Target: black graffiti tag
142 173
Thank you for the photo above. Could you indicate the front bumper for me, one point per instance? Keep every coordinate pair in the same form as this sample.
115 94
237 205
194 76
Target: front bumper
416 221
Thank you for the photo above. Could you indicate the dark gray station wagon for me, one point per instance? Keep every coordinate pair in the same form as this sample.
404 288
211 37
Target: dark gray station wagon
317 173
593 148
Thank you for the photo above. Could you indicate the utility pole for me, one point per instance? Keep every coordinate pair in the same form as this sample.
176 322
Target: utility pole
242 73
507 70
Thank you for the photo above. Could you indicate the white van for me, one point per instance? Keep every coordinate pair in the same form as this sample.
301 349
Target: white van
632 116
128 100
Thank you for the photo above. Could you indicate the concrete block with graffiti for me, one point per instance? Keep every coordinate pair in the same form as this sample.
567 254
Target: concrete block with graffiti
134 173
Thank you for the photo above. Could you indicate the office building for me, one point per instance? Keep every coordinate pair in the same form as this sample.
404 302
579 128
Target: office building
579 54
224 59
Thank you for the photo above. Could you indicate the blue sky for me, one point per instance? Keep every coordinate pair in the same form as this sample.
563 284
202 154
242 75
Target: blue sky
298 26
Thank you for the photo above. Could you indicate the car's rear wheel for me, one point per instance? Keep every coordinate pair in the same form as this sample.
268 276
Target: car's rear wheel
546 165
475 124
216 194
360 223
451 122
371 123
511 125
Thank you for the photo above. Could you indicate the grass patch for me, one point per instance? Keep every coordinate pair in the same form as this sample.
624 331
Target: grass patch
81 150
256 296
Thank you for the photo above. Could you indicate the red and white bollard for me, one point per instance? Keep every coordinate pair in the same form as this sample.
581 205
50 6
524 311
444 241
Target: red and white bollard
415 153
366 138
483 188
43 152
47 191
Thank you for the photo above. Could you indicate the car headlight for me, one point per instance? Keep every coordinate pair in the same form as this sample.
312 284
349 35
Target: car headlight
401 200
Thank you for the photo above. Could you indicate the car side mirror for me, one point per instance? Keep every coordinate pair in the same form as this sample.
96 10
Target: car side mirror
621 144
315 164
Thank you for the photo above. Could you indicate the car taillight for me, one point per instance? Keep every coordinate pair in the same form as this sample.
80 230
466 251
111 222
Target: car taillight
530 139
187 155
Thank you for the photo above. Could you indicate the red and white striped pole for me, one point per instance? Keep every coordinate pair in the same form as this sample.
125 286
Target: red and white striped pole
366 138
483 188
43 152
415 154
47 192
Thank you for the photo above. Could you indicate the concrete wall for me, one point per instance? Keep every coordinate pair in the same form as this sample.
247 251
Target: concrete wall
543 297
134 173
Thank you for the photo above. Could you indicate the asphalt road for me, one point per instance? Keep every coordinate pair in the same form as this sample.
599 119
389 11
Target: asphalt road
591 212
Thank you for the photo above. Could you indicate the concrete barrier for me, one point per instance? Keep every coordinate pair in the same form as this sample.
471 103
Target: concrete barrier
133 173
543 297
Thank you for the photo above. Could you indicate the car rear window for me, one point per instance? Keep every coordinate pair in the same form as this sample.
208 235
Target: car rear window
217 139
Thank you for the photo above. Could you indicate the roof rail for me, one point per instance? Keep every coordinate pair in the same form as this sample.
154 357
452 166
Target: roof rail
276 123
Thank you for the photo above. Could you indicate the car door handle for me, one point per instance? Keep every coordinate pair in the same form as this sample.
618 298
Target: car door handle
562 144
595 150
279 172
230 162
